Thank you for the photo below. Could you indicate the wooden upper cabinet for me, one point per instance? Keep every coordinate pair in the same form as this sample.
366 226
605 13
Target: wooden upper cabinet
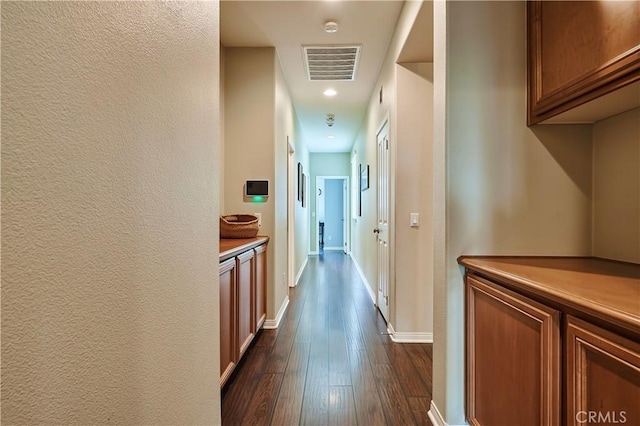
579 51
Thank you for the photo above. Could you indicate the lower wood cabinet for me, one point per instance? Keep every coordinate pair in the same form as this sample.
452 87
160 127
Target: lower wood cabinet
246 299
602 371
261 286
513 358
228 284
534 356
243 301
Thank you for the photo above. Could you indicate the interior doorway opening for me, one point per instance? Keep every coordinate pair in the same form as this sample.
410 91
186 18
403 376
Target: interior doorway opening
332 214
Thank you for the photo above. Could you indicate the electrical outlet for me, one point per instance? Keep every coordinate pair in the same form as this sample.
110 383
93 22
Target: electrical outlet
284 279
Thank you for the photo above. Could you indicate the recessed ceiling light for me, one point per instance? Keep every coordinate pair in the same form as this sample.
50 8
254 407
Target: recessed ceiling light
330 92
331 137
331 27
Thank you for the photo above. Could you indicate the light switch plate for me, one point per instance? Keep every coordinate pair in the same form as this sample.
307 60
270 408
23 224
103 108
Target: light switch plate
415 220
259 216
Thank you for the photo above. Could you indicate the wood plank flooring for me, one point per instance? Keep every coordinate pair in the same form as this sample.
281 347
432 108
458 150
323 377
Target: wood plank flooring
329 362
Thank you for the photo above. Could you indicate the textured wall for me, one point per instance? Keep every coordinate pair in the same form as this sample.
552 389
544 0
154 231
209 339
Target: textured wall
414 180
510 189
364 250
616 187
284 131
109 212
249 140
302 217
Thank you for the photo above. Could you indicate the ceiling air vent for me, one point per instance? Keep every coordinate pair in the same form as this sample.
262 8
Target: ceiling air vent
327 63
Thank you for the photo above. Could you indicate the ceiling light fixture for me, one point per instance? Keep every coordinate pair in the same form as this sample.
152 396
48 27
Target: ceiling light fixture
331 27
331 137
330 92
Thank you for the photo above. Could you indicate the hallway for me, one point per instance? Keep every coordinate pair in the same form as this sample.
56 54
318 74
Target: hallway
328 362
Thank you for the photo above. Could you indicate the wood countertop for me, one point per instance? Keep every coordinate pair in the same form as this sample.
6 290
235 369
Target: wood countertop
231 247
604 290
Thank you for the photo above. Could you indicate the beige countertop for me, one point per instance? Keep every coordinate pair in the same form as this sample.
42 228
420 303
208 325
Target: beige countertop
600 289
231 247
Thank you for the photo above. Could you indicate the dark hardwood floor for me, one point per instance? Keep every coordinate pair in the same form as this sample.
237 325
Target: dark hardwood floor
328 363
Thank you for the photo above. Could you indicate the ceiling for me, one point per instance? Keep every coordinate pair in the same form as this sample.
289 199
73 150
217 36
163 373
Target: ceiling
289 25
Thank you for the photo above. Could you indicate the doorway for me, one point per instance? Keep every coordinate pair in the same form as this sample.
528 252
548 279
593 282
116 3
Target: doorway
382 213
332 207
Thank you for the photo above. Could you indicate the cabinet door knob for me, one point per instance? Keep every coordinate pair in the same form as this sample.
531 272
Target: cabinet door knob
376 231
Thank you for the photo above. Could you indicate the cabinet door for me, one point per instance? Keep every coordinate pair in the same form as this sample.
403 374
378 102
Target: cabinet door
512 358
246 295
261 286
228 356
602 374
579 50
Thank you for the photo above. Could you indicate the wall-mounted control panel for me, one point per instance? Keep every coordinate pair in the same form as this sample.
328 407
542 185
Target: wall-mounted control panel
256 191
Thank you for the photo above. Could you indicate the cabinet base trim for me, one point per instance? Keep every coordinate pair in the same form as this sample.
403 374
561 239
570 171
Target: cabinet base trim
364 279
270 324
300 271
409 336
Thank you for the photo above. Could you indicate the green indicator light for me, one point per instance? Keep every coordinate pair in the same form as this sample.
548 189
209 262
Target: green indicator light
258 199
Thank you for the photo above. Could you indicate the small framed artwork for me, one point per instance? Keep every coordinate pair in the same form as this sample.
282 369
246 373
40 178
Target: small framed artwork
304 190
364 177
300 174
360 192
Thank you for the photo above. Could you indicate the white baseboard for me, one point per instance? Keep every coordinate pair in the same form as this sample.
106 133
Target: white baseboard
409 337
313 253
435 416
437 419
299 274
274 323
333 249
364 280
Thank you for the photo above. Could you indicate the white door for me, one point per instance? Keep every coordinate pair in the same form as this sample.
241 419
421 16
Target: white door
382 229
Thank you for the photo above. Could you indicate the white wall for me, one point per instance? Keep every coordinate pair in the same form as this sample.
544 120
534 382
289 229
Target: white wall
285 129
249 142
259 118
616 187
323 164
109 213
222 120
413 298
509 189
302 216
414 184
334 214
364 148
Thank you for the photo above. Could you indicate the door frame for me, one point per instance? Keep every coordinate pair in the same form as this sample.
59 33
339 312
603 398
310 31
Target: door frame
390 219
346 223
291 212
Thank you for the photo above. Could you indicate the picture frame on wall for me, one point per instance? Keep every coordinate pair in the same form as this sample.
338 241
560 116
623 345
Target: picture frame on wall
364 177
360 192
304 190
300 174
